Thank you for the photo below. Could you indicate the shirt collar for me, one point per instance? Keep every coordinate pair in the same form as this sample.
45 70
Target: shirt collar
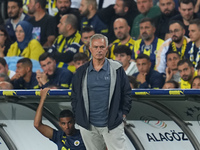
105 66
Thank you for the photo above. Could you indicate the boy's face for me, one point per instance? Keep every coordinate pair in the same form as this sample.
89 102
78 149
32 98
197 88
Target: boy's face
78 63
123 58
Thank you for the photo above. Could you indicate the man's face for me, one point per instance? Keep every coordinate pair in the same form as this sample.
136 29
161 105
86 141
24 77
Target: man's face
62 25
124 59
48 66
67 125
176 32
147 31
143 65
21 70
31 7
84 11
85 37
63 6
166 6
3 69
144 5
98 49
13 10
121 29
196 84
186 11
186 72
194 32
172 61
119 8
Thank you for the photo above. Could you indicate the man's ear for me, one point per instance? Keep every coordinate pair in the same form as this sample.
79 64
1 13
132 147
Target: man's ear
28 69
126 9
129 57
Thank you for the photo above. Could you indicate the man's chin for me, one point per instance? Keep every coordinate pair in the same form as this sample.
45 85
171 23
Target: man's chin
185 79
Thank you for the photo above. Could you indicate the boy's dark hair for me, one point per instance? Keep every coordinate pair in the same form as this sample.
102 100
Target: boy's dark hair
176 84
133 81
122 49
19 2
181 62
196 21
80 56
26 61
176 21
87 29
143 56
187 2
147 20
66 113
45 56
42 3
172 52
5 76
3 61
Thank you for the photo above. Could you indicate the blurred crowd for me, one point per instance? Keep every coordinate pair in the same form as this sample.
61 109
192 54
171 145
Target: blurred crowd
44 42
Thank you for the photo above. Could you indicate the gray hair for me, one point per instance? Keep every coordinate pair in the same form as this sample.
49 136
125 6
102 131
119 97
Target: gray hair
98 36
5 76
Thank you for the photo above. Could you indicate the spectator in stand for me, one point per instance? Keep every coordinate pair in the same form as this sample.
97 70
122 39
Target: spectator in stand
172 73
80 59
177 43
186 9
121 30
43 24
15 14
126 9
4 85
123 54
133 82
86 34
194 33
24 77
68 42
147 77
5 41
167 8
4 68
25 46
149 44
146 9
88 10
64 7
170 85
196 83
187 72
52 75
4 77
67 138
